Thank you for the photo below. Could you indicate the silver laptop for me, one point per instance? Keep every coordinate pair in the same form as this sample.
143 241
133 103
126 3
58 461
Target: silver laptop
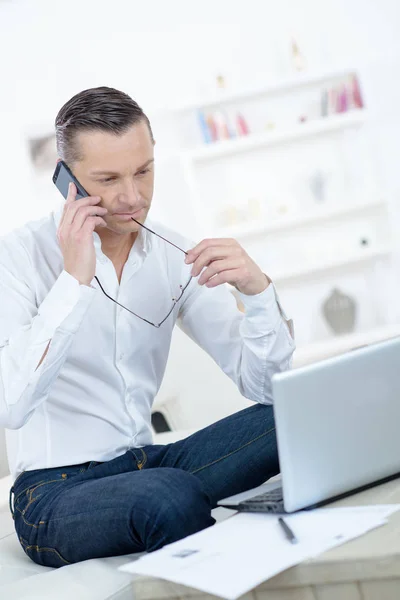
338 430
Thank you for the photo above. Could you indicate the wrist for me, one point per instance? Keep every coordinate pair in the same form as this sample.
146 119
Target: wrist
256 287
80 280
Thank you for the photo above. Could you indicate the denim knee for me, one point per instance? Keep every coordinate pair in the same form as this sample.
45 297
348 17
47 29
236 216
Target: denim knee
176 507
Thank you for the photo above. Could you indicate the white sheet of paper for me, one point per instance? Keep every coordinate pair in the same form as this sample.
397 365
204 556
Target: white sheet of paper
234 556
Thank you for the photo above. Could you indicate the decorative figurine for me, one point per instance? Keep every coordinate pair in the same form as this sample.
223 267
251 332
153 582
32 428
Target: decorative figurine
298 59
221 83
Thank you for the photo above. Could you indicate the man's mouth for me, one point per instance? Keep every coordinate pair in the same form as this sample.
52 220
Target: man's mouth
128 215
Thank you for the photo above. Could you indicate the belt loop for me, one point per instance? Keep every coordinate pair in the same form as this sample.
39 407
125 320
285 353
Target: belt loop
11 503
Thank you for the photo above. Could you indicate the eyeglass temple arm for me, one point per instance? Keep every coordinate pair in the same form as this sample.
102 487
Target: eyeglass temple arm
122 306
158 235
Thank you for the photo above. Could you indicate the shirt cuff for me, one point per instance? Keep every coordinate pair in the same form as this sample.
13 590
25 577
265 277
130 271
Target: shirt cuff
263 312
65 305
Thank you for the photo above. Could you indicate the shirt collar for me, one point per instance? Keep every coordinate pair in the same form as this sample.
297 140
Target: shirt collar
142 244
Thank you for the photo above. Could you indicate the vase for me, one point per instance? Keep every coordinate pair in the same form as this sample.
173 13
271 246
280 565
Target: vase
340 312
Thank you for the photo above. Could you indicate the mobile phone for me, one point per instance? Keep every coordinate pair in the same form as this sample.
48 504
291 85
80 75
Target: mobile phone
63 176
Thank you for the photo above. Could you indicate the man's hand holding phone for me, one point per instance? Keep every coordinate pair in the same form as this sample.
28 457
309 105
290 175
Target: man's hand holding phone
75 234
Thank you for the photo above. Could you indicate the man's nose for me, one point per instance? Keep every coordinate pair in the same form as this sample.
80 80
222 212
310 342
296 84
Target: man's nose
132 191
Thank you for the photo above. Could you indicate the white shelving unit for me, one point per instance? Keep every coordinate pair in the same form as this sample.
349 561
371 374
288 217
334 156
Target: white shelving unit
345 343
362 209
279 224
285 85
351 260
272 138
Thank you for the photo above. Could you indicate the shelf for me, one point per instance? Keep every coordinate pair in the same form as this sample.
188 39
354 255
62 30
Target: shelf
253 141
280 224
363 255
285 85
320 350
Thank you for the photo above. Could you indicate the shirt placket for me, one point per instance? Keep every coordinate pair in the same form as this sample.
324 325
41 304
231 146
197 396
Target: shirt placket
124 344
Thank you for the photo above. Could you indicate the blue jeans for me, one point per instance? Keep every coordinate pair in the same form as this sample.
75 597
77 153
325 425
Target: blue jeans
146 498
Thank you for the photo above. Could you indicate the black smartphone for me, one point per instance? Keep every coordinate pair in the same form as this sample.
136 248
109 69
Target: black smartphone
62 178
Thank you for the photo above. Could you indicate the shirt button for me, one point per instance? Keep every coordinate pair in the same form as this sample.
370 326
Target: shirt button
121 356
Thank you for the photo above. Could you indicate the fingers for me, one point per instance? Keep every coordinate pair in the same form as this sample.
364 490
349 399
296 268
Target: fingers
73 207
91 222
218 261
70 199
225 261
224 277
218 267
88 212
194 253
212 253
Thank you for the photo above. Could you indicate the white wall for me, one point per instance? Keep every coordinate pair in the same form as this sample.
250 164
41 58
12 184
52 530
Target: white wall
162 52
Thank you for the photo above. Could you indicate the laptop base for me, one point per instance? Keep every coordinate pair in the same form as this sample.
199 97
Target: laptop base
267 502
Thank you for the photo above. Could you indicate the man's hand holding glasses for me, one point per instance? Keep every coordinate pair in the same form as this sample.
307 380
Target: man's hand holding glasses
225 261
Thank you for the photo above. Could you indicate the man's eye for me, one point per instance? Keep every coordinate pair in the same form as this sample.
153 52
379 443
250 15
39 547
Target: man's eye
107 179
143 172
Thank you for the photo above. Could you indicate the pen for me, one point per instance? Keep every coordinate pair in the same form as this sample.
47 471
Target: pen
288 532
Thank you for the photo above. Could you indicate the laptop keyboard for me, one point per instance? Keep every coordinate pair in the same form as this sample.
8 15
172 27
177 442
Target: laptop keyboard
275 495
271 501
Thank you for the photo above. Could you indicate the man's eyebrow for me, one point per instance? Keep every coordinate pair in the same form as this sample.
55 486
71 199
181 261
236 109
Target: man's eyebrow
146 164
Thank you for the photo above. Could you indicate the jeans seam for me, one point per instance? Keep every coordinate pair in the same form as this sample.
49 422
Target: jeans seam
44 549
144 461
45 483
139 463
25 490
27 522
233 451
32 500
32 489
72 515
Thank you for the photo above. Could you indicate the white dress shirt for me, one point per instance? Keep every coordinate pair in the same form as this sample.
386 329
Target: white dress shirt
91 397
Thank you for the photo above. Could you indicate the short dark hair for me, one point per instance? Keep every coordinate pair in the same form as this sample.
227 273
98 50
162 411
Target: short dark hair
99 109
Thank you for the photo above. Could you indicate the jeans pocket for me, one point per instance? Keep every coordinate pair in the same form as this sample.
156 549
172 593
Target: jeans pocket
45 556
22 498
34 493
27 497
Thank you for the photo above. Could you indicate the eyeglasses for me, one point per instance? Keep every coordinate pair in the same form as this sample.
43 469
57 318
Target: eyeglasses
175 300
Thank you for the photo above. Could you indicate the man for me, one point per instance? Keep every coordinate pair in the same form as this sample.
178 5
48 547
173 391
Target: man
89 299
